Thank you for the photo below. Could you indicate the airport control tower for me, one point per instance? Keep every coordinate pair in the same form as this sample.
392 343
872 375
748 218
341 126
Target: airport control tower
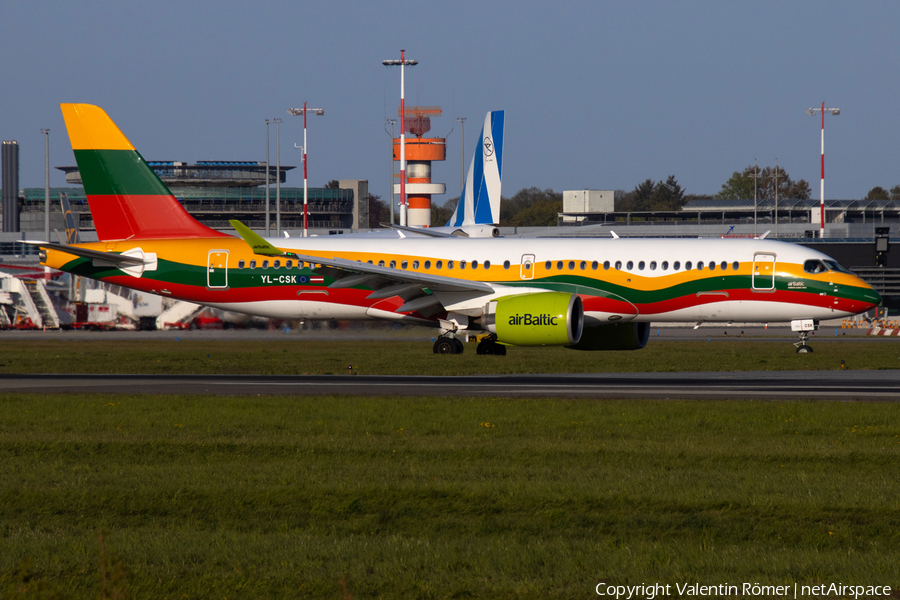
420 152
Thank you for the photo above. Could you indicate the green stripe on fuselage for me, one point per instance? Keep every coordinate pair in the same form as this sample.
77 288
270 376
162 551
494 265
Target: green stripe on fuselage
117 172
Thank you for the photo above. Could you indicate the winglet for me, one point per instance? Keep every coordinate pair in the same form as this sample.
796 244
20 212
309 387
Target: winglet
256 242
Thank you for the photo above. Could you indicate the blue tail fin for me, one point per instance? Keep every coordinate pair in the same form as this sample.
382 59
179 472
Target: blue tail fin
479 202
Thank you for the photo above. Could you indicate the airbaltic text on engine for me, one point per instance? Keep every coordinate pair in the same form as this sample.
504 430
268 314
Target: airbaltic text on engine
529 319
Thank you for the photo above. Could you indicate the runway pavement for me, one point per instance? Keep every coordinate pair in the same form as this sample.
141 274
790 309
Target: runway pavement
780 385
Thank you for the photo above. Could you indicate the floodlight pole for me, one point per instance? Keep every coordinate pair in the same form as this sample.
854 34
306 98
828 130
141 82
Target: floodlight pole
402 63
278 177
267 176
46 133
812 112
392 121
755 202
776 197
297 112
462 155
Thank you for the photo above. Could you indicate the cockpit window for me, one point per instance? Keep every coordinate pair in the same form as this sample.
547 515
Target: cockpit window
835 266
814 266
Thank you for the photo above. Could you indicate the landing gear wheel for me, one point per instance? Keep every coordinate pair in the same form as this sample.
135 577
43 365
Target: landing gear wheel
490 348
445 345
802 348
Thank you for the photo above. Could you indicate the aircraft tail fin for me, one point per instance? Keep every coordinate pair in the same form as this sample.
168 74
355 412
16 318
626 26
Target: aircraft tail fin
479 202
127 199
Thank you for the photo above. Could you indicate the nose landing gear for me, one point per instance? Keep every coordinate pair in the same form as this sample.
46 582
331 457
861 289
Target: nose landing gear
804 327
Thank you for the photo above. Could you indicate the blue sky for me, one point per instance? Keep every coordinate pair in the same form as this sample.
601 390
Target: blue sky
598 94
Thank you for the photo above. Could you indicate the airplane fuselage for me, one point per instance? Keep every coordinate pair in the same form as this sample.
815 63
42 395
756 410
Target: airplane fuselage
641 280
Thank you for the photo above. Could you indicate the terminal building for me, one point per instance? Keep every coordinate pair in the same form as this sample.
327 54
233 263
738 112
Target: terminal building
214 192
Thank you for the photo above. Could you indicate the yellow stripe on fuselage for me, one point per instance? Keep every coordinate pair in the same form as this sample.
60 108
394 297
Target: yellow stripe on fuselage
90 128
196 251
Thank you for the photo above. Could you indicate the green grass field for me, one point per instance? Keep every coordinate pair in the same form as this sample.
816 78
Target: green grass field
415 358
339 497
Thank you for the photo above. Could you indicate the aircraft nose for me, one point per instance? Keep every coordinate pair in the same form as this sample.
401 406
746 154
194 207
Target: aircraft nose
868 294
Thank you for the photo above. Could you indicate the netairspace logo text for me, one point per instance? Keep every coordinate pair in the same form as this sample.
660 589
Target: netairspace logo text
649 591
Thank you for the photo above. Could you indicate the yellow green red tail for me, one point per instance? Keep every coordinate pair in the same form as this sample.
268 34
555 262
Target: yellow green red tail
127 199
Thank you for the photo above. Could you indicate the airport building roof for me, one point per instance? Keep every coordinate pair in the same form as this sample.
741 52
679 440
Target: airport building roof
205 173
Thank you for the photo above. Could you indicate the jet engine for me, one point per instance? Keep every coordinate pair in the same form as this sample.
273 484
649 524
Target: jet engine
618 336
541 319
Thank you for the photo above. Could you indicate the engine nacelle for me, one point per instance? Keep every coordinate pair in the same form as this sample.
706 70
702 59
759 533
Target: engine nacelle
542 319
619 336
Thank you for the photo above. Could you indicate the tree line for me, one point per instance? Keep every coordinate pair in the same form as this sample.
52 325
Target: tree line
534 207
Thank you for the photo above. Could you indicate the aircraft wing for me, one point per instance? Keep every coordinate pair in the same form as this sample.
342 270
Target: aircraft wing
432 282
399 281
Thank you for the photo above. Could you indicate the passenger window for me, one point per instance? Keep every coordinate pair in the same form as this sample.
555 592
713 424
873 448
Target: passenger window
487 264
404 264
559 265
506 264
252 264
393 264
439 264
629 266
665 265
712 266
687 265
571 265
449 264
652 265
277 264
594 265
547 265
241 264
641 266
583 265
735 265
606 265
724 265
265 264
618 265
699 265
380 263
676 265
474 264
427 264
415 264
289 264
462 264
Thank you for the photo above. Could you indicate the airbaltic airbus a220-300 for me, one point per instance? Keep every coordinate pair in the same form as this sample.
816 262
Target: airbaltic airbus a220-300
587 294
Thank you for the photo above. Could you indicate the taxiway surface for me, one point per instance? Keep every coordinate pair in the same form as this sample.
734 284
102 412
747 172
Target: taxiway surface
760 385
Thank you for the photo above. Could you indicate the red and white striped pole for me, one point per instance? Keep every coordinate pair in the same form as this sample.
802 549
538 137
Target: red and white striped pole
402 139
402 63
812 111
305 189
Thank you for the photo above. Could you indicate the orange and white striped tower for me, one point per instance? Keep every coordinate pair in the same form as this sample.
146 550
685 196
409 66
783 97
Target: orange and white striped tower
420 152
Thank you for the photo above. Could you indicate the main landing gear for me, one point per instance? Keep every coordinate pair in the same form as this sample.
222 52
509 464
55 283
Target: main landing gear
448 345
489 347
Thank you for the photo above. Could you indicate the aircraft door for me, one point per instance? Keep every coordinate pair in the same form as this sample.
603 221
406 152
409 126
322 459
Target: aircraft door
217 270
526 271
763 278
